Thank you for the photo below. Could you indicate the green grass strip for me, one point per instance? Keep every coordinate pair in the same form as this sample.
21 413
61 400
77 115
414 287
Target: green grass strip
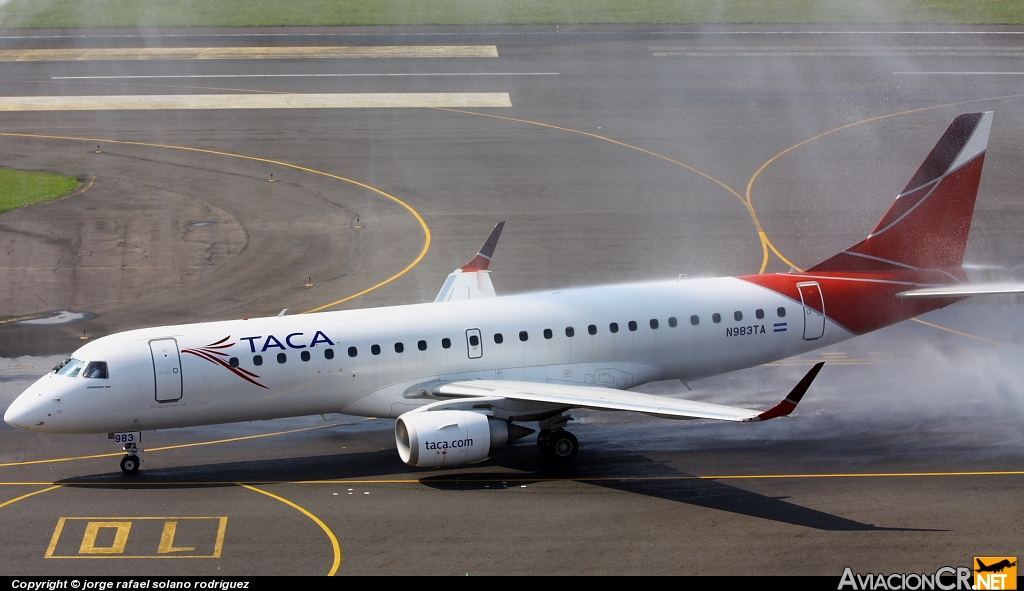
253 13
19 188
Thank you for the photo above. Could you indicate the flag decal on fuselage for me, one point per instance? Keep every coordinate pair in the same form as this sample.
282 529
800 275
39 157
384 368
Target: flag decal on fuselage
780 327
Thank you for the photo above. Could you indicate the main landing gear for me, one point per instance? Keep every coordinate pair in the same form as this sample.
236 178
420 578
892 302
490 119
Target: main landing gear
559 445
131 462
555 442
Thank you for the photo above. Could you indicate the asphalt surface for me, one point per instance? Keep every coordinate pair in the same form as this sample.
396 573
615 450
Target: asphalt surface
627 154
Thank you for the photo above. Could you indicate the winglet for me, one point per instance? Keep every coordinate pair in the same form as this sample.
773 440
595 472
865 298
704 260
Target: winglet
786 406
482 260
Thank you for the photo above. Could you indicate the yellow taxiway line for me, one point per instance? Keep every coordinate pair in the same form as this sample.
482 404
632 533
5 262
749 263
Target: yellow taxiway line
750 184
221 53
335 545
423 224
180 446
525 479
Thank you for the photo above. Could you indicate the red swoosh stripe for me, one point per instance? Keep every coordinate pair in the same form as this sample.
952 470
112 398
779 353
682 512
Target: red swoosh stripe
221 362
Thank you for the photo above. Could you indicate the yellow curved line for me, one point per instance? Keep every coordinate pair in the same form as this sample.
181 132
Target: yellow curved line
164 448
765 243
31 494
334 540
419 218
964 334
452 479
750 184
765 240
603 138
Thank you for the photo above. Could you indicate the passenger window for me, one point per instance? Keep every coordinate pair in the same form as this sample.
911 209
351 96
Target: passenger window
632 325
446 343
399 347
781 312
329 353
375 349
592 329
695 320
498 339
759 313
737 315
258 359
304 356
233 362
69 368
96 370
672 321
523 336
716 318
569 331
654 323
281 358
613 327
422 345
548 334
352 351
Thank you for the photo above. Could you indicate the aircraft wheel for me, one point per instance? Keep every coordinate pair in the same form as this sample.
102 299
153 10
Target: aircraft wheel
544 443
130 464
564 445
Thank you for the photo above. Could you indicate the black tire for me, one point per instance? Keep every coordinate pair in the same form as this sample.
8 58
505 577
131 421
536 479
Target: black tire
130 464
564 446
543 442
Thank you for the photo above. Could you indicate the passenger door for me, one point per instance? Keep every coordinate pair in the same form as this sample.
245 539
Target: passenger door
814 310
166 370
474 343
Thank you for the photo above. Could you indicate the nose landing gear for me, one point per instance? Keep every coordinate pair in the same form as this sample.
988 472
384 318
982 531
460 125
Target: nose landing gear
131 462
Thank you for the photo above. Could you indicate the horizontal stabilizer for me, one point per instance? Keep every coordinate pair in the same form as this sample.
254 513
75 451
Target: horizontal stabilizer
962 290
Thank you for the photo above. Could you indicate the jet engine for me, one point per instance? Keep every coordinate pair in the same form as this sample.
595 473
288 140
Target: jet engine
452 437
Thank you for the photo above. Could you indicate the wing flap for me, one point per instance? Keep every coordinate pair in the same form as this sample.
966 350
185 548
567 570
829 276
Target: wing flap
562 395
596 398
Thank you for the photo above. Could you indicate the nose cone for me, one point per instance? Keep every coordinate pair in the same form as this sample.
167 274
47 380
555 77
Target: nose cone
17 414
27 410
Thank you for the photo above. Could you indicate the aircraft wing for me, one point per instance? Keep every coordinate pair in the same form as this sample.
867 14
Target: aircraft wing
609 399
962 290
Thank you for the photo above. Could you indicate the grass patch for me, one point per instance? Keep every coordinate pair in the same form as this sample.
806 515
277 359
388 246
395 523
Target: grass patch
19 188
253 13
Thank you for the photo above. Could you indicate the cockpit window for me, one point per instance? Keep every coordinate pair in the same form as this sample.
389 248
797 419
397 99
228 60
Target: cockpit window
69 368
96 369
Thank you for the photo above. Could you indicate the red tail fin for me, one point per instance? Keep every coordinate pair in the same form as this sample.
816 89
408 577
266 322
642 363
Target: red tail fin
927 226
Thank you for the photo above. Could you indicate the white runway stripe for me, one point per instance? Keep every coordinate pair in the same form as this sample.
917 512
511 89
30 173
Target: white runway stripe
962 73
209 53
304 75
255 101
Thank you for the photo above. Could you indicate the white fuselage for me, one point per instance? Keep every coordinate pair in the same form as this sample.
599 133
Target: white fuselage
186 385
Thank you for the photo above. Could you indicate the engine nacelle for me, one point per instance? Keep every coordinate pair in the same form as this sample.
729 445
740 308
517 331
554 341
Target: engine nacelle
452 437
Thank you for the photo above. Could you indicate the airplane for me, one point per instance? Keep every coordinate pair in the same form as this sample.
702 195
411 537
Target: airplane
460 374
994 568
